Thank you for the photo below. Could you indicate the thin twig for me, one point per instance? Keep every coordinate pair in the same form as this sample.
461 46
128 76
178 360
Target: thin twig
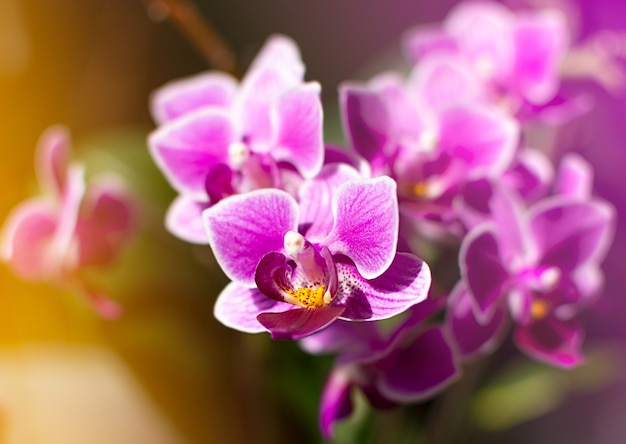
197 29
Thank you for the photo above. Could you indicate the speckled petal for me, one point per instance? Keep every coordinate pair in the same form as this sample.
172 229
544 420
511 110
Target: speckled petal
405 283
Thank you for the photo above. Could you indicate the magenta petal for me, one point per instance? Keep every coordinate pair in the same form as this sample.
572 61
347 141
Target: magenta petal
273 275
185 95
473 338
574 177
244 228
316 195
531 175
184 220
52 160
483 139
482 270
365 120
571 233
442 80
335 404
405 283
427 39
186 148
279 51
420 369
540 41
351 342
26 239
297 116
258 94
106 223
552 341
300 322
237 307
366 224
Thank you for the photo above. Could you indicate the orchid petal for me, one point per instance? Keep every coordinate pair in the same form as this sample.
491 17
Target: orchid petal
68 215
316 195
258 94
483 139
482 270
541 41
186 148
441 80
279 51
185 95
184 220
420 369
106 222
366 224
553 341
335 404
532 175
300 322
571 233
574 177
427 39
237 307
352 342
365 121
405 283
297 120
483 31
273 275
243 228
52 160
473 338
26 238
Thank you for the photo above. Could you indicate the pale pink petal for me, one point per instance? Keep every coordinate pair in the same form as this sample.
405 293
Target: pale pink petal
185 95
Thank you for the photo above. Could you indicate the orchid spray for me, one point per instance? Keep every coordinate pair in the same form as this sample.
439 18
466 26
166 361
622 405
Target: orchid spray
451 235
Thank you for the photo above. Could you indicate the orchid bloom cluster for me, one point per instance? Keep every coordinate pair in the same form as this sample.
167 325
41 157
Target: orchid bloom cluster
72 226
334 246
318 239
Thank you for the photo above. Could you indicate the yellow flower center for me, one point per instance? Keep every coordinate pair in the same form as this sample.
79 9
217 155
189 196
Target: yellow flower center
539 309
308 297
420 189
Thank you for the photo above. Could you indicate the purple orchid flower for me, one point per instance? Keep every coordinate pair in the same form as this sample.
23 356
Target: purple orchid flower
71 226
217 138
516 55
431 133
294 285
545 261
411 363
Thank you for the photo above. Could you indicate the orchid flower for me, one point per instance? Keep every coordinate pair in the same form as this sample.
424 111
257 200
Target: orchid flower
516 56
545 261
217 138
69 227
431 133
411 363
294 276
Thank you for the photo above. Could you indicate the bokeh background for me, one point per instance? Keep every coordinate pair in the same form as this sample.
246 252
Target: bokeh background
167 372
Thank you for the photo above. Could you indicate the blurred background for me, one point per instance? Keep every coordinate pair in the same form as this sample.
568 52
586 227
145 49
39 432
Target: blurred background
167 372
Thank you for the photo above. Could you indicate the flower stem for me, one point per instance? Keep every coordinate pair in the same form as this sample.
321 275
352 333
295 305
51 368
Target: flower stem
197 29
